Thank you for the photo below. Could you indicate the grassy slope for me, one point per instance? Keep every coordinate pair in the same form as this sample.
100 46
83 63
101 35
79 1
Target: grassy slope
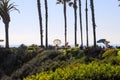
48 60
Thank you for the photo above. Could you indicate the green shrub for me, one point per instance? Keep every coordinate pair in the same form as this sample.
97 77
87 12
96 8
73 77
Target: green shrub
92 71
7 61
111 56
109 53
118 53
44 61
93 52
73 52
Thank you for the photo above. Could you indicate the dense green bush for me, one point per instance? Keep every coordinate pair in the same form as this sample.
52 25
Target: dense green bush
13 58
22 64
45 61
74 52
111 56
92 71
93 52
7 61
109 53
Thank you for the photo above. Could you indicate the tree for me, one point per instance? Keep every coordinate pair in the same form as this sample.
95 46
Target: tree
80 15
104 41
40 21
5 9
75 17
74 5
65 19
65 15
86 10
46 15
119 4
93 21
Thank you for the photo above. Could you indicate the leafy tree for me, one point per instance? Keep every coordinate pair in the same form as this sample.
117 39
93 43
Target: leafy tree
5 9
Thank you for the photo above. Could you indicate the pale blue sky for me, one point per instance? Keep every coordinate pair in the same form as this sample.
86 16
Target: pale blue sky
24 27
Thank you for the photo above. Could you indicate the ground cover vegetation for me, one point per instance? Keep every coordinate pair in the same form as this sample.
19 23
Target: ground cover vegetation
65 64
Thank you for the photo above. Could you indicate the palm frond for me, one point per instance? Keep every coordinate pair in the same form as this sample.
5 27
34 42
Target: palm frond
12 7
68 0
59 2
5 8
71 4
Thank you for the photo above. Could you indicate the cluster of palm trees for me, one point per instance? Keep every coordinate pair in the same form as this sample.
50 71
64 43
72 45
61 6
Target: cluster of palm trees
40 21
6 7
73 3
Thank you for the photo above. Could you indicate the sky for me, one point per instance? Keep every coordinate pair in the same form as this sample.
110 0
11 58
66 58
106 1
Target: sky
24 26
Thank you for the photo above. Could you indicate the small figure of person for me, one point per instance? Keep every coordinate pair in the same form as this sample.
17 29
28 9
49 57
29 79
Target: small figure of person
81 47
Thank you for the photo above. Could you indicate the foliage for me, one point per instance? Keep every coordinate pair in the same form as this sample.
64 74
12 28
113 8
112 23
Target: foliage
44 61
111 56
22 64
7 59
110 52
73 52
92 71
118 53
93 52
13 58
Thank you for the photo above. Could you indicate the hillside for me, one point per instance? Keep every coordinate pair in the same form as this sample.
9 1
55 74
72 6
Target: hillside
16 66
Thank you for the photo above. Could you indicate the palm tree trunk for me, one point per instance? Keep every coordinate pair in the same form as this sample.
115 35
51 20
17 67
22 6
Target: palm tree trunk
93 21
75 16
40 21
65 19
46 15
80 15
87 24
7 35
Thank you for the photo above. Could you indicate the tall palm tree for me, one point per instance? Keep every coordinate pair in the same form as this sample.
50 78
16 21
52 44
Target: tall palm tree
65 19
80 15
5 8
93 21
119 4
86 10
65 15
46 17
40 21
74 5
75 17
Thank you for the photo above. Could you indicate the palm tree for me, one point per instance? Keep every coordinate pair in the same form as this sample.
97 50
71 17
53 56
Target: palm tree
46 15
86 10
75 17
74 5
65 15
80 15
65 19
5 9
119 4
93 21
40 21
